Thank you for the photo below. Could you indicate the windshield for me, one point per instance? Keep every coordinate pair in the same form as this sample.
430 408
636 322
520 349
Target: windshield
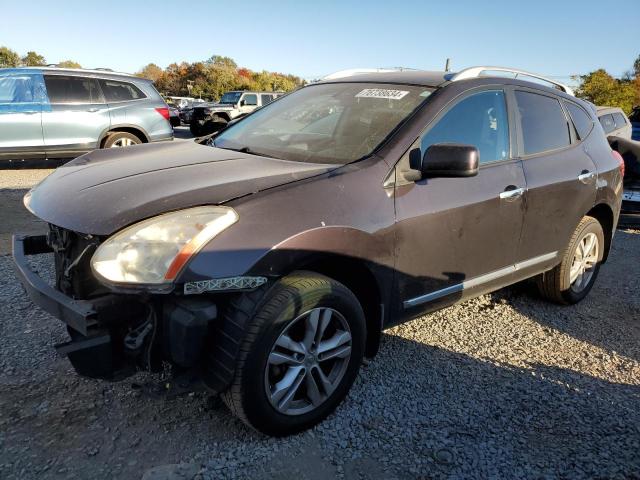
326 123
230 97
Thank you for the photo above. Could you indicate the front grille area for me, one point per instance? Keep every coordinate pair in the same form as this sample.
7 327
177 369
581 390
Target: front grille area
72 253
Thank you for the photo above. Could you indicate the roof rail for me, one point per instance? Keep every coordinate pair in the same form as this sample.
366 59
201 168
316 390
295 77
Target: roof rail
474 72
357 71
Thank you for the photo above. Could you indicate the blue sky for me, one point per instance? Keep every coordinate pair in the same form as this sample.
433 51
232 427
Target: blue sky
313 38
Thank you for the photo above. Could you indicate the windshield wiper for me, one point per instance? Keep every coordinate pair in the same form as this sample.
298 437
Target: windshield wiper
248 150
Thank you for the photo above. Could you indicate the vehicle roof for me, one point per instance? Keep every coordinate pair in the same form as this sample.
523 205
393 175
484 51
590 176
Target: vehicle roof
103 73
410 77
603 109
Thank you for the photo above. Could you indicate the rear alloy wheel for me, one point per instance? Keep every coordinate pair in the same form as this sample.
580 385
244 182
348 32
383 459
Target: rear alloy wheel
121 139
571 280
300 352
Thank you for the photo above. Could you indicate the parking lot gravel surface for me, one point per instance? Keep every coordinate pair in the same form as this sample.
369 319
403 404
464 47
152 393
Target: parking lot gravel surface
503 386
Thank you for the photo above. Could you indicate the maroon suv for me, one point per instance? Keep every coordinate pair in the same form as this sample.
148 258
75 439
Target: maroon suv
269 257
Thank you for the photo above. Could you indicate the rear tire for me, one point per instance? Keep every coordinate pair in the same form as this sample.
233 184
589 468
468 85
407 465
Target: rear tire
561 285
323 327
121 139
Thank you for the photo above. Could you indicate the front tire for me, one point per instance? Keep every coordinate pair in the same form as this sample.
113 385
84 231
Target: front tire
571 280
301 351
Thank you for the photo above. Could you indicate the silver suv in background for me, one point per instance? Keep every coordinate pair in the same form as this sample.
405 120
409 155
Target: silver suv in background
62 113
614 122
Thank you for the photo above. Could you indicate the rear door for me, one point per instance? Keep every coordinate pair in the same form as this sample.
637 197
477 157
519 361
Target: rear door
78 116
561 177
21 101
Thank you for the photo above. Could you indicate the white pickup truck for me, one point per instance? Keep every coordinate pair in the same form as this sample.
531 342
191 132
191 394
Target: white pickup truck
211 117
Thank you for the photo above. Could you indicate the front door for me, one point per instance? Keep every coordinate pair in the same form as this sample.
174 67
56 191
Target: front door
21 102
458 236
78 116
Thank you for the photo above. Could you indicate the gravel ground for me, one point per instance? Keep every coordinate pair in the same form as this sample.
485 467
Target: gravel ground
503 386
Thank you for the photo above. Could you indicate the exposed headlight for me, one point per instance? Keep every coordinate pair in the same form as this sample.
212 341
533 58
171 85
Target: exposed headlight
154 251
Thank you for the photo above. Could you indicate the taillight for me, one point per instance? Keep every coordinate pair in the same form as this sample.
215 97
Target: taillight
164 111
618 157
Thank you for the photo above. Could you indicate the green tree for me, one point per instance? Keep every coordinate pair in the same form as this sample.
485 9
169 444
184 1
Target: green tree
151 71
636 67
69 64
8 58
602 89
33 59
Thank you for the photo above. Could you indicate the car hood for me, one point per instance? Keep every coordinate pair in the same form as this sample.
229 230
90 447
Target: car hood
106 190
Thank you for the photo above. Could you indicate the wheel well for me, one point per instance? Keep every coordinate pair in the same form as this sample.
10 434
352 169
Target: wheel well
131 130
223 115
359 279
603 213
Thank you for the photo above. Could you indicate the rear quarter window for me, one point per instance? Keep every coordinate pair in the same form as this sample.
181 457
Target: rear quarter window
115 91
543 123
581 120
607 123
619 120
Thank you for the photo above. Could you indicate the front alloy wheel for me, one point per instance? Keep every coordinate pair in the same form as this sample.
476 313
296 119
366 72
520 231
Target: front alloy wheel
308 361
301 344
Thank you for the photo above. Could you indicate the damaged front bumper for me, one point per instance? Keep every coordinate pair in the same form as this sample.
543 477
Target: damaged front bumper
113 335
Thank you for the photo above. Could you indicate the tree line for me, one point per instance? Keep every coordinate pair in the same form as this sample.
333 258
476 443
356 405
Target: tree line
211 78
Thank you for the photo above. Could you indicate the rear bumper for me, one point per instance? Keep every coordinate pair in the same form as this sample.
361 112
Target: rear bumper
80 315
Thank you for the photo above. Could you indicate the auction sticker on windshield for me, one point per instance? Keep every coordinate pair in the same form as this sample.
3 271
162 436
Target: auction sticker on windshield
381 93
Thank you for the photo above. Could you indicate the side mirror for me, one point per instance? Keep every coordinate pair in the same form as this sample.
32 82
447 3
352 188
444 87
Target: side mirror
450 160
243 103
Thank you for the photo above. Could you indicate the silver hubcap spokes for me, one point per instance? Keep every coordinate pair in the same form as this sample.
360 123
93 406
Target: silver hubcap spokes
123 142
585 259
308 361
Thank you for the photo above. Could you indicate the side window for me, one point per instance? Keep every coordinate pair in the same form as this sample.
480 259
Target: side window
266 99
250 99
581 120
16 89
544 125
71 89
619 119
115 91
480 120
607 123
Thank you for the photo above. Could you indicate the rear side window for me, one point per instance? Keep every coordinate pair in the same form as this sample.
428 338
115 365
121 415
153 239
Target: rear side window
250 99
71 89
544 125
479 120
607 123
581 120
266 99
115 91
619 119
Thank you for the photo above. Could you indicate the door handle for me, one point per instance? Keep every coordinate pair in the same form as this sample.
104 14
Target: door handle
92 110
511 193
586 176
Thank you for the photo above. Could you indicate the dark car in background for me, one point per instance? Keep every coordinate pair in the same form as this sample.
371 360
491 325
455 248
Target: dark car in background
48 112
635 123
268 258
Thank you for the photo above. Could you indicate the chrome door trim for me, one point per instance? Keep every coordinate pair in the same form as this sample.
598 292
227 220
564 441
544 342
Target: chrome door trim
477 281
